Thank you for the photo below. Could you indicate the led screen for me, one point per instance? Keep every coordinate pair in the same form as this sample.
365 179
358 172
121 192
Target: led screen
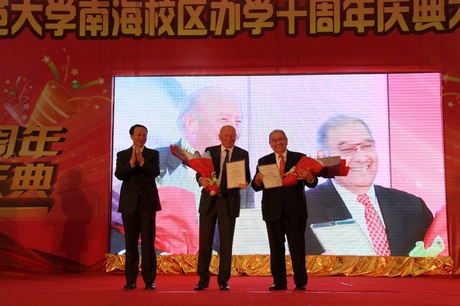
402 111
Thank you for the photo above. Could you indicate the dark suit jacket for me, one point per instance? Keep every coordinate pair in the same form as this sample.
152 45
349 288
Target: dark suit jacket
292 198
169 163
234 199
406 217
138 180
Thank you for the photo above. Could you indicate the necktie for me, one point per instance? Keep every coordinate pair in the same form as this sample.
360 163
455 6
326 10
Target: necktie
282 164
223 179
375 227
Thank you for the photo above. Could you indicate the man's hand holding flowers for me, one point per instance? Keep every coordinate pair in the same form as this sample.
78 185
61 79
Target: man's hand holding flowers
306 169
209 183
305 174
202 165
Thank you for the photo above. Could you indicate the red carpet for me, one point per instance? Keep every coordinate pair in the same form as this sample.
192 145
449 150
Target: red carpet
106 289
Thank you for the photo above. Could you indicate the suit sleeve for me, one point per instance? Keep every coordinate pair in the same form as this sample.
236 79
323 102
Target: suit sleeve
123 168
151 166
253 185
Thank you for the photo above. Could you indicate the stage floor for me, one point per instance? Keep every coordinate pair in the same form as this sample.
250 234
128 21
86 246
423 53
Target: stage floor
106 289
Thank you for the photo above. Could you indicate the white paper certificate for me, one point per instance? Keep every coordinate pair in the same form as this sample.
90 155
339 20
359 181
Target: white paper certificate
342 238
272 177
236 174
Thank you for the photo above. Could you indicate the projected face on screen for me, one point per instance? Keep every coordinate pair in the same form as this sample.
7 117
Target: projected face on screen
352 140
205 112
387 151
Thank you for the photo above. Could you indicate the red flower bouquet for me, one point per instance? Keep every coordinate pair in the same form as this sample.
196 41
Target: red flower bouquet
202 165
327 167
304 163
333 166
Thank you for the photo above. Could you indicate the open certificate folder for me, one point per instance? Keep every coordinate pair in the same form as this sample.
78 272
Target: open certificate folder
236 173
343 237
272 177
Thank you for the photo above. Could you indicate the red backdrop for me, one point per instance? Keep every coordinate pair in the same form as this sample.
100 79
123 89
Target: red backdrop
42 66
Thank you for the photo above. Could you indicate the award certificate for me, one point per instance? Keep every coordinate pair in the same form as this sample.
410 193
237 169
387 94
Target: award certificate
272 177
342 237
236 174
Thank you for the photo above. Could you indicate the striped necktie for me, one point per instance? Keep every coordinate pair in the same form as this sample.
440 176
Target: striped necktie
375 227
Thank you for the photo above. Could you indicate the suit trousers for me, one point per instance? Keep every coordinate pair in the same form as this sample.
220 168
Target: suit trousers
226 226
294 231
141 222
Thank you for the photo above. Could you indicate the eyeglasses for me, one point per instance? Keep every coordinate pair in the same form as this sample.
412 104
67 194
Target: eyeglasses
281 139
350 149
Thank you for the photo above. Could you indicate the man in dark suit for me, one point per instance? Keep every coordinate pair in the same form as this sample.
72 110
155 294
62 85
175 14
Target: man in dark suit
223 207
284 210
405 218
138 167
153 91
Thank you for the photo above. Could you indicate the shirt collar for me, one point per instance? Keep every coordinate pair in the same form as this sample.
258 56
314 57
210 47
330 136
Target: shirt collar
284 155
222 149
345 193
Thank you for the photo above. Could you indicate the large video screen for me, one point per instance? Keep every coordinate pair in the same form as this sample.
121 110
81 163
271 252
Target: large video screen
402 112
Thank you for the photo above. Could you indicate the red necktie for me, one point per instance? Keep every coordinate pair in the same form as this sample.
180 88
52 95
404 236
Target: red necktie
375 227
282 165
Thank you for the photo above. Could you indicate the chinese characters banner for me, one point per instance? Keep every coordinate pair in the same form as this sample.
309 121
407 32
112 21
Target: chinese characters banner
155 19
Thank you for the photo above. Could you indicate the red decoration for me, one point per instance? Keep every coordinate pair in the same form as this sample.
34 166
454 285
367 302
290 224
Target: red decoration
327 167
202 165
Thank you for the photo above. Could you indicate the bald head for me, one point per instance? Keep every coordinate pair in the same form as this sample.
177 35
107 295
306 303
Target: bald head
207 111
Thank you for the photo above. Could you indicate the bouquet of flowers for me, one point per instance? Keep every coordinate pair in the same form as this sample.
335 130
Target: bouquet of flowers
201 164
333 166
327 167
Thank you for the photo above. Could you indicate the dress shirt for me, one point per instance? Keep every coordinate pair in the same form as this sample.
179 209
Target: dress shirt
356 209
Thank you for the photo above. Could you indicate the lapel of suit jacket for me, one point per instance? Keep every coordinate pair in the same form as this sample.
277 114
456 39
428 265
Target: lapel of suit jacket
215 155
271 158
394 222
129 153
334 206
236 156
146 152
290 162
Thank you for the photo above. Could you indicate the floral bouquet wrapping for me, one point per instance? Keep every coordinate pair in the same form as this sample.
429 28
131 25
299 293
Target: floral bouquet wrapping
327 167
201 164
333 166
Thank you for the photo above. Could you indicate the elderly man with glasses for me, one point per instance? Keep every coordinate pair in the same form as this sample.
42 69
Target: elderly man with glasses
371 219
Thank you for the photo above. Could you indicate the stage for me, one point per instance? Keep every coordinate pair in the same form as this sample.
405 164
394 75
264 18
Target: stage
106 289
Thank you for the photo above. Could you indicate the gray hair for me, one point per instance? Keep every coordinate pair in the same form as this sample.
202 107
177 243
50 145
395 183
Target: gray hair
333 123
275 131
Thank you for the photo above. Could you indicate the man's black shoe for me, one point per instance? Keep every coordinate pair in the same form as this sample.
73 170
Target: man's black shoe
224 286
200 286
277 287
150 286
130 286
